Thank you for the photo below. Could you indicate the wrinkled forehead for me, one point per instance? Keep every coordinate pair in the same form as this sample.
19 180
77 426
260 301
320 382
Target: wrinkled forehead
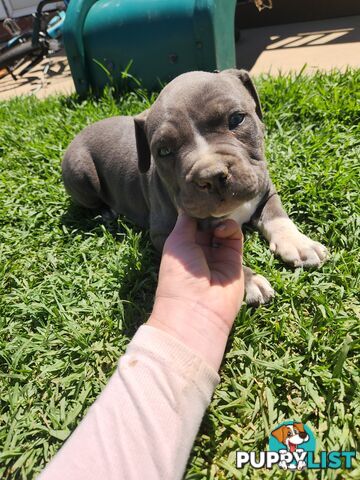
199 99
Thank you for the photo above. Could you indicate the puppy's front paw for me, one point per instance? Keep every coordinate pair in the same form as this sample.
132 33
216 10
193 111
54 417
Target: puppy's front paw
295 248
283 465
257 289
301 465
298 250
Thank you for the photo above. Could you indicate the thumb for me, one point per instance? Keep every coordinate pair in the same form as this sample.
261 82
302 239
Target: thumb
185 227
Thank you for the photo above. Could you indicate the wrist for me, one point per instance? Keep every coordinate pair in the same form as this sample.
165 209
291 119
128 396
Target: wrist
194 324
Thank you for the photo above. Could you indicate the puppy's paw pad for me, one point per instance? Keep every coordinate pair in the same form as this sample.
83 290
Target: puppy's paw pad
293 246
108 215
301 465
299 250
258 290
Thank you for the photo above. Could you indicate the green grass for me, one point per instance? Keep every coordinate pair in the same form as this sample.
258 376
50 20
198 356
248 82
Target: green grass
73 292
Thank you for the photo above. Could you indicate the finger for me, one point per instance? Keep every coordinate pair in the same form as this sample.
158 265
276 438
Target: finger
228 229
227 234
185 227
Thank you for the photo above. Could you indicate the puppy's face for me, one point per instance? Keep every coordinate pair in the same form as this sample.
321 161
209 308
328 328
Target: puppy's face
291 435
206 138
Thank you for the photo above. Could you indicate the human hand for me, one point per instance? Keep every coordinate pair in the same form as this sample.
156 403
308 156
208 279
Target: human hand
200 286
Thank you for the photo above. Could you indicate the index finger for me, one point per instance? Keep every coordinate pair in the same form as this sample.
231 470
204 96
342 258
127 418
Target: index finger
228 229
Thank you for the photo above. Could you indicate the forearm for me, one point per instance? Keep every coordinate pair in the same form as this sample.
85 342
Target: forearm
195 325
272 210
144 423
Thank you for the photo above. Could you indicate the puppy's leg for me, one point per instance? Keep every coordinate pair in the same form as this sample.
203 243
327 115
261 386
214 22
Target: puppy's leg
163 216
257 289
158 240
80 178
285 239
160 229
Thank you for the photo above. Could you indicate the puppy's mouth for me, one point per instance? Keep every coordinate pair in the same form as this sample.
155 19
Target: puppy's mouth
292 447
217 199
213 208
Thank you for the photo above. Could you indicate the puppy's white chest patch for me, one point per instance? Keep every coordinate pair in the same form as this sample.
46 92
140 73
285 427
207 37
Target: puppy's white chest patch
243 213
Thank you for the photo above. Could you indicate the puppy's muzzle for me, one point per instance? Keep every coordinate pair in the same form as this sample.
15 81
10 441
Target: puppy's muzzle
227 180
213 179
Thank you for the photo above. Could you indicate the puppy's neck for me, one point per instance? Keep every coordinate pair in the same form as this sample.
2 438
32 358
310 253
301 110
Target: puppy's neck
241 214
246 210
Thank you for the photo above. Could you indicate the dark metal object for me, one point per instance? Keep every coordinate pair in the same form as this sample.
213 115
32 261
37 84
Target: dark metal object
28 46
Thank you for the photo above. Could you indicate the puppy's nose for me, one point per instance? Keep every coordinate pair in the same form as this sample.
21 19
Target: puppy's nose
211 180
302 434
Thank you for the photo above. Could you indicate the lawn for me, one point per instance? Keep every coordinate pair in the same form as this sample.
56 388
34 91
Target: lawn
73 292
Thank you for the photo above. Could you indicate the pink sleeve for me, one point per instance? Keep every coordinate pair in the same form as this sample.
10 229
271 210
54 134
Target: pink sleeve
144 423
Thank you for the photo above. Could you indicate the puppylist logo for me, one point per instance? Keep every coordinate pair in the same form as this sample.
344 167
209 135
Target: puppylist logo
292 447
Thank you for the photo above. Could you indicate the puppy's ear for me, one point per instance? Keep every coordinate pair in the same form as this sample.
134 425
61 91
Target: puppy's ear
244 76
299 426
142 145
280 434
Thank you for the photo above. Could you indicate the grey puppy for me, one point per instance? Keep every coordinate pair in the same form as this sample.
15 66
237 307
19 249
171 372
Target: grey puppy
200 148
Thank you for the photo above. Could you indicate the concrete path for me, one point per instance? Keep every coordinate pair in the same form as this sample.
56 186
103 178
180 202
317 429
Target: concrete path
326 44
49 77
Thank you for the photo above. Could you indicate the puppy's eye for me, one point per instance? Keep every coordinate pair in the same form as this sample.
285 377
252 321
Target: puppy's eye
235 120
164 151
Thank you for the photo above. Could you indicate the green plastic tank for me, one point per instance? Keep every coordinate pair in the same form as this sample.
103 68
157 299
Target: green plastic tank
159 38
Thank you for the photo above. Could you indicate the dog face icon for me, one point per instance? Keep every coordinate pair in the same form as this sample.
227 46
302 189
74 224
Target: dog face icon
292 435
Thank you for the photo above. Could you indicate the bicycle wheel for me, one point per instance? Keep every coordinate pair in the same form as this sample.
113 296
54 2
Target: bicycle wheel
15 41
13 54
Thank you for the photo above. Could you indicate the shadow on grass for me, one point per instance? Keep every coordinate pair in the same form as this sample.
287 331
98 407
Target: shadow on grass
83 219
80 218
137 283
